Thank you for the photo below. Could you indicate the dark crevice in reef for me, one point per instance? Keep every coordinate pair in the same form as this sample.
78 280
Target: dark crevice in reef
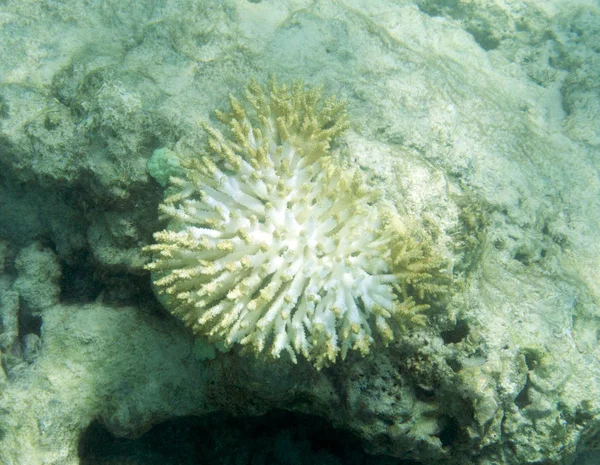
78 283
83 282
277 438
456 334
29 324
522 400
450 431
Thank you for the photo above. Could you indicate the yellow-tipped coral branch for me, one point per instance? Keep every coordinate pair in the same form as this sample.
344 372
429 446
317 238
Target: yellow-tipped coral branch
272 245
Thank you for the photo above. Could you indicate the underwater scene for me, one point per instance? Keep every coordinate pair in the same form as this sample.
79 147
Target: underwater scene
300 232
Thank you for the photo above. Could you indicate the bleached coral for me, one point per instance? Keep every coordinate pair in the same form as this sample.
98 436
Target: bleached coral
270 244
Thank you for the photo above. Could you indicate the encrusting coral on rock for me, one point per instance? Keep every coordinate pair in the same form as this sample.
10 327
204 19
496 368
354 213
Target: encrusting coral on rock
270 244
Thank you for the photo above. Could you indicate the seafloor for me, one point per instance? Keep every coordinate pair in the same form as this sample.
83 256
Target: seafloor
477 119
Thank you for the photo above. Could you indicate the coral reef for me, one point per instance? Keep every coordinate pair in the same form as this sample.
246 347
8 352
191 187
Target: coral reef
477 118
271 244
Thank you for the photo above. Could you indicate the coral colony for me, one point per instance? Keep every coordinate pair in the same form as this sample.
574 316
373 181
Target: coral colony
273 246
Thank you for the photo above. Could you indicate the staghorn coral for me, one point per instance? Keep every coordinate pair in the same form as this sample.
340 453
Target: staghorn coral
271 245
